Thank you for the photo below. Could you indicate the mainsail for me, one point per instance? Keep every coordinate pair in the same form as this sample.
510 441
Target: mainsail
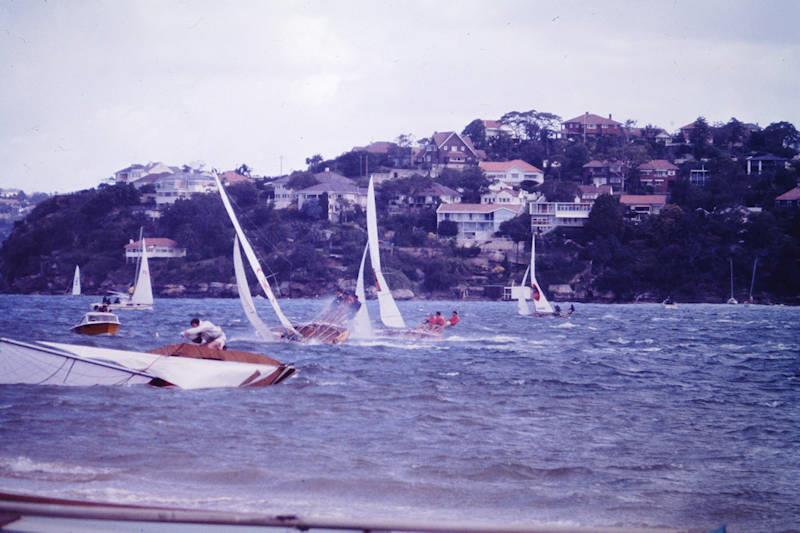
253 260
522 304
361 323
143 292
244 294
76 282
390 314
540 303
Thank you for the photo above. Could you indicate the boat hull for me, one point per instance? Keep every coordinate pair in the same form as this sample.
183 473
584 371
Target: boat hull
96 329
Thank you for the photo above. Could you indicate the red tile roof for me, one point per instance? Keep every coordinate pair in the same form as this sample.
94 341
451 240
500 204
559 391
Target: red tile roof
657 164
504 166
591 118
494 124
790 195
152 241
638 199
232 177
476 208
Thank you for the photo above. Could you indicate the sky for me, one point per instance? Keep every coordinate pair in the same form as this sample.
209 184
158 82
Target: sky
89 87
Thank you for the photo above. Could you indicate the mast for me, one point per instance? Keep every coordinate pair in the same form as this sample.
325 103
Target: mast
730 259
753 278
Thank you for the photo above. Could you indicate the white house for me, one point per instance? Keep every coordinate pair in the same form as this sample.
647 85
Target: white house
343 195
181 185
503 196
476 222
546 216
157 247
511 173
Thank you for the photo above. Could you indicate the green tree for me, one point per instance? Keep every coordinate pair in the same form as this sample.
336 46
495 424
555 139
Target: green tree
476 132
605 218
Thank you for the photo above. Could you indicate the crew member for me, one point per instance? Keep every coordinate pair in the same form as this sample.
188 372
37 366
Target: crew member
438 320
205 332
454 319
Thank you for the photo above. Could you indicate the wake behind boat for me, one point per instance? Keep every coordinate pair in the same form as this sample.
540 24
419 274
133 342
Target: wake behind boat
182 365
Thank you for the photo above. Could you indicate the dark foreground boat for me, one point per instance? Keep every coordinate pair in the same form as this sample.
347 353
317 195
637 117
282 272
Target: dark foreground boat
19 512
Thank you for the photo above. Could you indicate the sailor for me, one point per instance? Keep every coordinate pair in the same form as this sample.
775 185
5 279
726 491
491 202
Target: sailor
571 309
206 333
454 319
557 310
438 320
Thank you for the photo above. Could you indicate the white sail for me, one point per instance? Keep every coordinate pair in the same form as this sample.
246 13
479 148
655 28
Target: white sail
76 282
390 314
143 292
540 303
253 260
362 328
245 297
522 303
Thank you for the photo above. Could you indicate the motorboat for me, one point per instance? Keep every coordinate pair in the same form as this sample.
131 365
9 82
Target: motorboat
97 323
185 366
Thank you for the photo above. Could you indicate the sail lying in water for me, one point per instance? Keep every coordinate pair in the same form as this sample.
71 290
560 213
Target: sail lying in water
76 282
390 314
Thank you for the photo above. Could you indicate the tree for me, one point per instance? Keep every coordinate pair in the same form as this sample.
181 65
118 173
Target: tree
244 170
518 229
605 218
447 228
314 160
699 136
476 131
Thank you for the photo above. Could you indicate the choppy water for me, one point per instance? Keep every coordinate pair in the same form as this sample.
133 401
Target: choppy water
624 415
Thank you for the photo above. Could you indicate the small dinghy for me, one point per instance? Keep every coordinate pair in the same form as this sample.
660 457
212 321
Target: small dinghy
97 323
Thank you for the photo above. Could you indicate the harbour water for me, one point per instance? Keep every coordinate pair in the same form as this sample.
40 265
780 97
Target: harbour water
624 415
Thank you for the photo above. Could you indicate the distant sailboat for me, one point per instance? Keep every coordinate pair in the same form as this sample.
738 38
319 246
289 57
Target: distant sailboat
732 300
142 297
76 282
752 282
541 306
361 325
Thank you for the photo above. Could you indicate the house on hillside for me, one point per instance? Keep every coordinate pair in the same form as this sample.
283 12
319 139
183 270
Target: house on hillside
511 173
547 216
388 174
765 164
136 171
591 125
639 205
342 193
789 199
182 185
504 196
157 248
431 196
590 193
658 174
605 172
449 149
231 177
476 222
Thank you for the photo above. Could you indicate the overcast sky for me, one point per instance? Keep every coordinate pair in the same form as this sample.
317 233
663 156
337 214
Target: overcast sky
89 87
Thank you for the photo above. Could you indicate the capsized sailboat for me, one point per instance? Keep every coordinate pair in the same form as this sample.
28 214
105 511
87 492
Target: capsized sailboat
76 282
181 365
326 332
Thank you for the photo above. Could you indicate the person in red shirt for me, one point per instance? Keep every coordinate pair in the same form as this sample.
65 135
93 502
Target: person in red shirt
454 319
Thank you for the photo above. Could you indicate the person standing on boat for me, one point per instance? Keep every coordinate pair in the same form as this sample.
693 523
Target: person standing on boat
207 333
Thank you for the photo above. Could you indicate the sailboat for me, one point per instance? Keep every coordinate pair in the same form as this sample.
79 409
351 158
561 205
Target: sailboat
324 332
732 300
76 282
361 325
142 297
541 306
752 283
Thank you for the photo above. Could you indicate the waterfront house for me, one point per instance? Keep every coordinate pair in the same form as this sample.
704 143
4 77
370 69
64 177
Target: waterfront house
511 173
476 222
157 248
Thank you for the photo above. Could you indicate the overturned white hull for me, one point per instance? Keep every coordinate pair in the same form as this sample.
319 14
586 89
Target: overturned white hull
50 363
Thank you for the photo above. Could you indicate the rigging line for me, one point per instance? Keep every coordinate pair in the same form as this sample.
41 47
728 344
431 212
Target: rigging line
57 370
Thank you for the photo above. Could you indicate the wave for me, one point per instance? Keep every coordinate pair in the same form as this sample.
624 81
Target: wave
520 472
26 468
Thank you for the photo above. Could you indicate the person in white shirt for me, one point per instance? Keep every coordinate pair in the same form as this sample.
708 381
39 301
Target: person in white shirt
207 333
